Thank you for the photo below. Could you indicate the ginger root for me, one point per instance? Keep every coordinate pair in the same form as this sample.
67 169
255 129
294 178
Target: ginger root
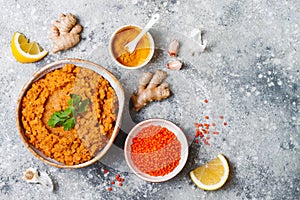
150 88
65 33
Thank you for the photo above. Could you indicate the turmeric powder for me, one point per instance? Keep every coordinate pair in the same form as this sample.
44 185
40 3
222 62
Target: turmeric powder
120 52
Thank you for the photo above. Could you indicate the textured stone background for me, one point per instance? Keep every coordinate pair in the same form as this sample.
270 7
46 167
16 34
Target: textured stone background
249 73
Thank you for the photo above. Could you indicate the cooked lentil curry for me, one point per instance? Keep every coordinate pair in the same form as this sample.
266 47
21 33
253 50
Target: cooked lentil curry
51 94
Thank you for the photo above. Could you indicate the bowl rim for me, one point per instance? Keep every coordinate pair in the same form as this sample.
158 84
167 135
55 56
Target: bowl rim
152 47
57 65
180 136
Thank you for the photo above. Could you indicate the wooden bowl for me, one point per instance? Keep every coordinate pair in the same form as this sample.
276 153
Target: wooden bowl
56 65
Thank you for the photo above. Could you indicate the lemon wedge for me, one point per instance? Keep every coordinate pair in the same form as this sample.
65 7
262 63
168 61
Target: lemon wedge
212 175
25 51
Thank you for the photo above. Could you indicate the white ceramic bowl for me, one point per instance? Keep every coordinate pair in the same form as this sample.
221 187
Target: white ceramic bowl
152 47
156 122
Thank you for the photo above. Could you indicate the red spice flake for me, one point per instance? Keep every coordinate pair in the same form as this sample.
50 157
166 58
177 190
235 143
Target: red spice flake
120 184
213 124
205 131
206 142
206 117
105 171
122 179
205 101
206 125
113 182
216 132
109 189
155 150
207 137
118 177
198 125
225 124
199 133
221 117
196 141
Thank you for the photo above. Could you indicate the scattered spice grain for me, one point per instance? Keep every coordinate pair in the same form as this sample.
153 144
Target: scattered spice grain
203 130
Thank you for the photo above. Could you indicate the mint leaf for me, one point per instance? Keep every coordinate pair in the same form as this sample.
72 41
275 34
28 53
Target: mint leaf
64 113
69 124
66 118
75 98
54 119
82 107
70 102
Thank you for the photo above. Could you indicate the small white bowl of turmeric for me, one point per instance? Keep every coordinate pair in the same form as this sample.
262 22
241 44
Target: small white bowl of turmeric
120 54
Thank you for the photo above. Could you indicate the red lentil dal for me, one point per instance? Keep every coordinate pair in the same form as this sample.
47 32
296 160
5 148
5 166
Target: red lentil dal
155 151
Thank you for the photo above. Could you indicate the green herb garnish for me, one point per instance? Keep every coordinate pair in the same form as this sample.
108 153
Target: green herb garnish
66 118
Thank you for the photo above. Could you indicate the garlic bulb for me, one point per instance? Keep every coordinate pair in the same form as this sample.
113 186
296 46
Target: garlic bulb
196 35
32 175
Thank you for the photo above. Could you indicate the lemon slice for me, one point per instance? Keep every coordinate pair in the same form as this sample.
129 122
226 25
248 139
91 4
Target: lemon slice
25 51
212 175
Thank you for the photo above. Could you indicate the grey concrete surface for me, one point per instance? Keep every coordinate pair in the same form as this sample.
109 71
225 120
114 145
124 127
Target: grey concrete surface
249 73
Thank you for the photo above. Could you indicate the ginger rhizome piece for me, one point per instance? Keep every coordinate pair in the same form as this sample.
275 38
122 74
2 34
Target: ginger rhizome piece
65 33
150 88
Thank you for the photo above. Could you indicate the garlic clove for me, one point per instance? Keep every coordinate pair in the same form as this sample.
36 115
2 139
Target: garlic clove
174 65
173 48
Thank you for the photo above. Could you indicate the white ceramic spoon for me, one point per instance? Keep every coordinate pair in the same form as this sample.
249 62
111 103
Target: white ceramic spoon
132 45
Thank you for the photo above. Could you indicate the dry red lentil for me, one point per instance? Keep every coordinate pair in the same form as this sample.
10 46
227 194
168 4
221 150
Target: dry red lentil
155 150
113 182
204 129
206 142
